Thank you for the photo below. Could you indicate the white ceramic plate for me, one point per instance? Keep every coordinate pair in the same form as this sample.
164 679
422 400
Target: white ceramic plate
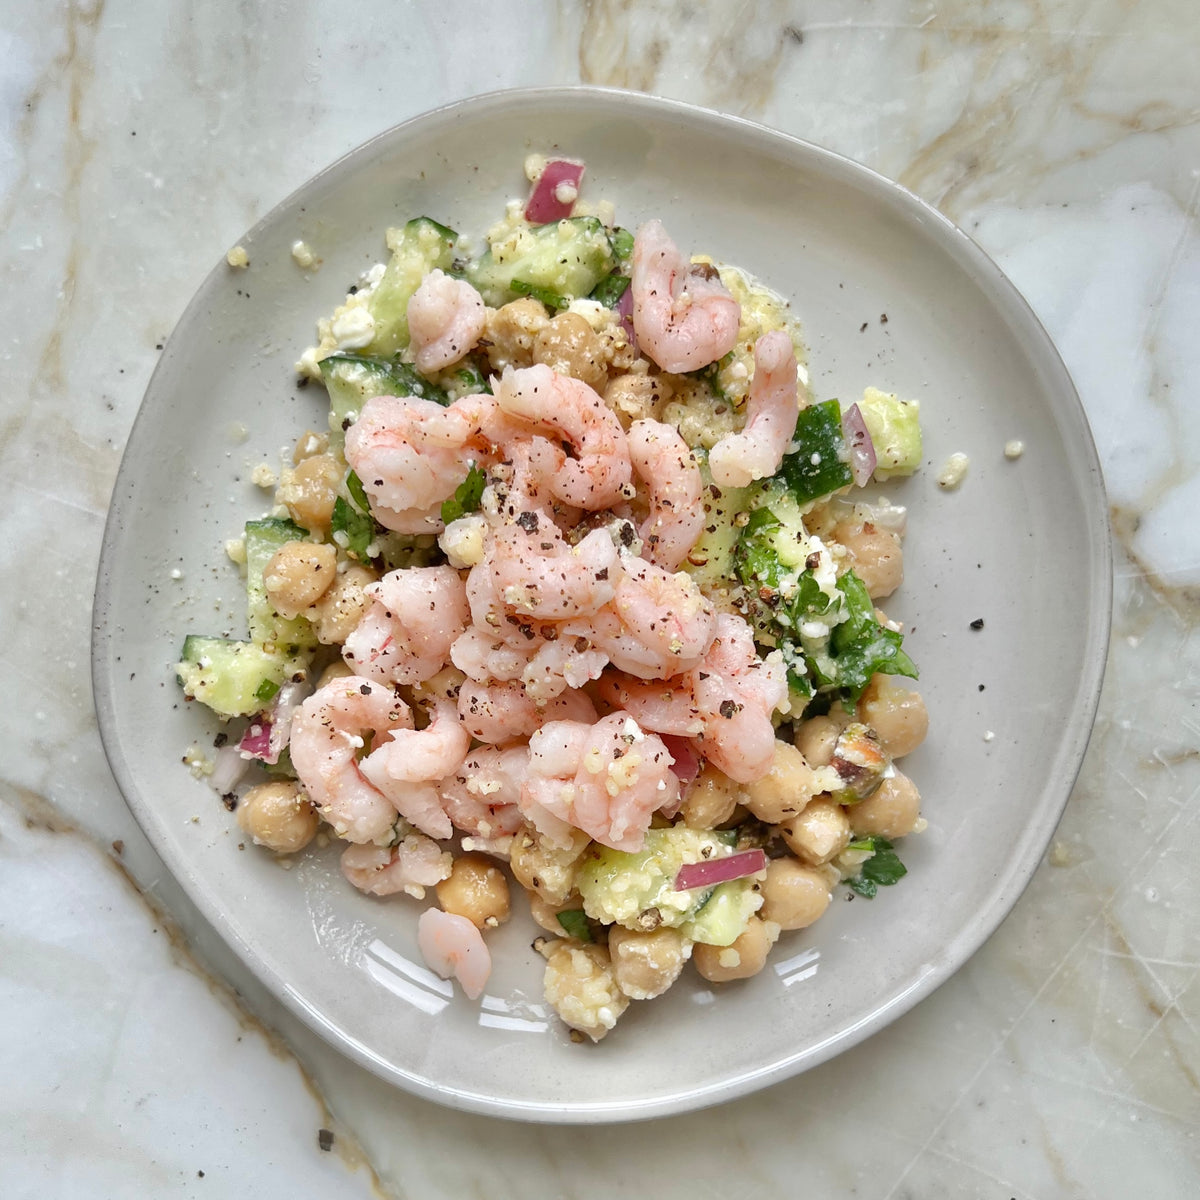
1022 544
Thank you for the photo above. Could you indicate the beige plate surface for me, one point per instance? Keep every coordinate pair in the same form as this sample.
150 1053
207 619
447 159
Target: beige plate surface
1023 545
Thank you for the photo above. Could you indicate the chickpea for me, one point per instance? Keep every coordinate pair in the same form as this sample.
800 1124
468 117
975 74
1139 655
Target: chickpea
476 889
785 789
569 346
636 397
546 914
308 444
711 799
891 811
646 964
819 833
794 895
335 670
875 556
896 714
816 738
341 608
311 492
747 956
511 331
544 868
582 989
278 816
298 575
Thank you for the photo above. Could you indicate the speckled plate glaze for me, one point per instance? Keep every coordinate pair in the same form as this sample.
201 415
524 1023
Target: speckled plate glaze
891 294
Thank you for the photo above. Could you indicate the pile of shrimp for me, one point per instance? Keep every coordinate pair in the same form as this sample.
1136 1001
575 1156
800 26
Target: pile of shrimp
557 680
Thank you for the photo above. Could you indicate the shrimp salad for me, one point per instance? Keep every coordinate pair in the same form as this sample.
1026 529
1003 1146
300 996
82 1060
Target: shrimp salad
573 605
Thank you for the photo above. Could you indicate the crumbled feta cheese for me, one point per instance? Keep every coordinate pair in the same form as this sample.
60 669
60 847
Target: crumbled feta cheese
238 258
953 472
235 549
989 736
308 366
262 476
535 164
352 328
566 192
462 540
176 573
1014 449
302 253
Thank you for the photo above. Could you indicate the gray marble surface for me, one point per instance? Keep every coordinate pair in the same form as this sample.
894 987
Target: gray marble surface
138 141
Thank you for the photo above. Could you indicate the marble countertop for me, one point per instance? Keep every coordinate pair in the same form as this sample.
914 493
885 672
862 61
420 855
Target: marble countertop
138 141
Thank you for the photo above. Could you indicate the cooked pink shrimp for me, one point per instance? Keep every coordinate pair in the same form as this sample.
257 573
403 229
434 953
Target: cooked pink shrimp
481 796
410 455
738 459
327 731
530 571
684 316
446 318
412 866
725 704
522 481
657 626
739 692
503 712
452 946
606 779
412 619
407 768
665 461
598 477
482 656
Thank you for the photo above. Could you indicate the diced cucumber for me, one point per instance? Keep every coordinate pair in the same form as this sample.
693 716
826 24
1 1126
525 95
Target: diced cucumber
420 247
567 258
710 562
619 887
229 676
352 379
895 429
821 464
722 919
267 627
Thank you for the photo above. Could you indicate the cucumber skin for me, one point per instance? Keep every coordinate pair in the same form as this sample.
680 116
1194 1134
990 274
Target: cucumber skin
267 627
224 674
424 245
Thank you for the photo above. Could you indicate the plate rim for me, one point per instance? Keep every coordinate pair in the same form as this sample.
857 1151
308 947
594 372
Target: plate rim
1001 293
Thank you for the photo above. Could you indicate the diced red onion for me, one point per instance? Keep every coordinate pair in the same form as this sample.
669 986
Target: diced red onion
268 733
858 442
290 697
624 310
686 761
228 769
720 870
544 205
256 741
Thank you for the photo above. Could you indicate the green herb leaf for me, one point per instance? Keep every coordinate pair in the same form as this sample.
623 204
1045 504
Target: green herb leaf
266 690
472 378
548 298
610 289
574 923
622 243
882 869
466 498
860 646
358 493
358 527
